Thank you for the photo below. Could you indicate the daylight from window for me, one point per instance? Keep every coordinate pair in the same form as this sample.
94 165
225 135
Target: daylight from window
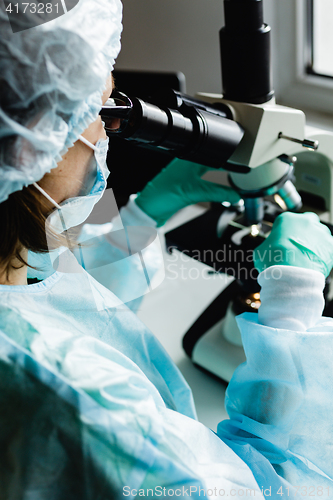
323 37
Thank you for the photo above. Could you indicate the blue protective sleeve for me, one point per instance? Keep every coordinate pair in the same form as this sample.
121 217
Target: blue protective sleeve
280 401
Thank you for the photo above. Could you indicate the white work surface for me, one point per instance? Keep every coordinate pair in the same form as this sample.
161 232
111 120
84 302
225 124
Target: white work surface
172 308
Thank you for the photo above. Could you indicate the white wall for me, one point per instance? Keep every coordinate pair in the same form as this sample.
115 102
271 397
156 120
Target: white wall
177 35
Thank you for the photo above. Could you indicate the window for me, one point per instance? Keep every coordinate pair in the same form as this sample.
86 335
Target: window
320 37
302 39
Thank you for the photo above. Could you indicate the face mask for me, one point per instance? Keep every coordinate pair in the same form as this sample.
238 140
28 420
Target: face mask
75 211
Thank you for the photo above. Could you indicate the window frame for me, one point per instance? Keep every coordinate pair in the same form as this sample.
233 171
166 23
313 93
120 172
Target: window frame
295 84
309 42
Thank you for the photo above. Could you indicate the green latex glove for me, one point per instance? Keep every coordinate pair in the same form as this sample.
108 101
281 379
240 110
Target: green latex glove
177 186
297 240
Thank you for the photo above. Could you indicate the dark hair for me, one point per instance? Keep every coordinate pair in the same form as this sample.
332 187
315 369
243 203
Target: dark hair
23 217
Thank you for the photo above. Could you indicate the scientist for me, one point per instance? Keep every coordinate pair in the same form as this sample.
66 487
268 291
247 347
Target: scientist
142 430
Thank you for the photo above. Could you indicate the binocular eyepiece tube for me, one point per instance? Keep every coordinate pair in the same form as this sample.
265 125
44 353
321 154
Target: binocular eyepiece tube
203 133
189 128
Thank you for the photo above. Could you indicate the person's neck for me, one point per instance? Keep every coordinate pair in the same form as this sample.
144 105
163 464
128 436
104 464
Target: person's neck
17 274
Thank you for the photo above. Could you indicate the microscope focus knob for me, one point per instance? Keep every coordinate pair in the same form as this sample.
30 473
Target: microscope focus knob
306 143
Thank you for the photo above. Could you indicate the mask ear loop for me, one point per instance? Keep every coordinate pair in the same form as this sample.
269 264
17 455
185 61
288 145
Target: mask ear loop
47 196
88 143
41 190
55 204
44 193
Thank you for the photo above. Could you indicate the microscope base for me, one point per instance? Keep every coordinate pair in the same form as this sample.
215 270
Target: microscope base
205 344
198 239
216 355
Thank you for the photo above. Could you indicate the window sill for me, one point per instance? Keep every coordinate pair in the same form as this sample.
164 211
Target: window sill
318 119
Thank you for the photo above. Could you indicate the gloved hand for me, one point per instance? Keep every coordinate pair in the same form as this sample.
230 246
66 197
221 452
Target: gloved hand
297 240
177 186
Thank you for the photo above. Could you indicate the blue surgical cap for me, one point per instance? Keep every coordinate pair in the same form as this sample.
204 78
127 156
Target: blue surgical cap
51 81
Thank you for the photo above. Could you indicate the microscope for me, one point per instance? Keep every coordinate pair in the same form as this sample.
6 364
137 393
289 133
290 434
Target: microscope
274 161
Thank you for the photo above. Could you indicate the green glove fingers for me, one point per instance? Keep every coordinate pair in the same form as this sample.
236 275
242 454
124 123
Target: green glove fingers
177 186
297 240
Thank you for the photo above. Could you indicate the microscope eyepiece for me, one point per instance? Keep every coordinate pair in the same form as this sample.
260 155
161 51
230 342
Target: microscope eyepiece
116 111
245 53
189 128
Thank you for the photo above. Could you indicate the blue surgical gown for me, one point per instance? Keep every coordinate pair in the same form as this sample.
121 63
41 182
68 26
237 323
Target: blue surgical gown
278 436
